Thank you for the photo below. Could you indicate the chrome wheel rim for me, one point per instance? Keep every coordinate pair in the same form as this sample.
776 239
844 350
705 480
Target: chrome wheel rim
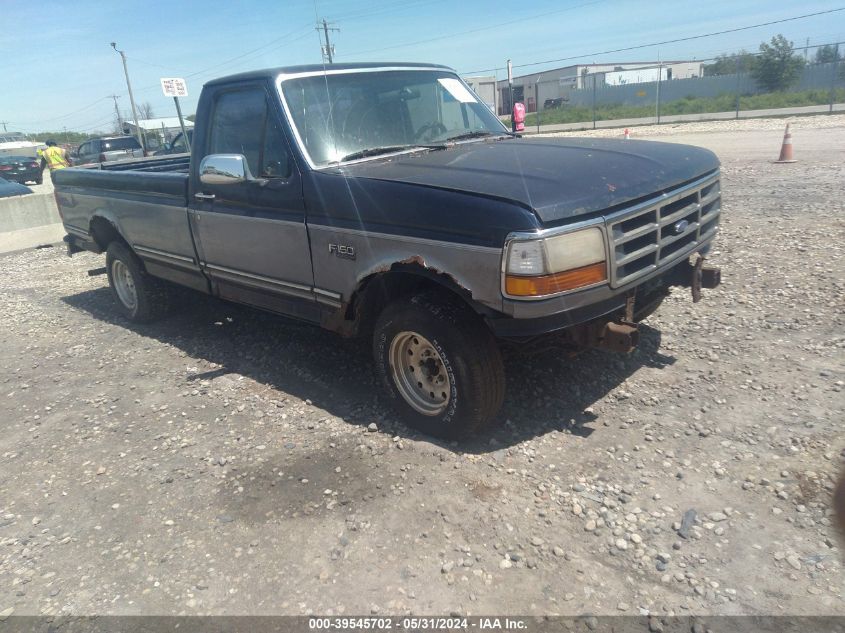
124 284
419 373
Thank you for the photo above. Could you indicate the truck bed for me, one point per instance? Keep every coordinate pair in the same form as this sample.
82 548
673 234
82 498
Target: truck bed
172 163
158 177
145 199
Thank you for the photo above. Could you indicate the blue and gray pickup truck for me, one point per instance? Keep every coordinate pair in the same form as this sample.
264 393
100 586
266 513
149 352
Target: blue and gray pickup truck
387 201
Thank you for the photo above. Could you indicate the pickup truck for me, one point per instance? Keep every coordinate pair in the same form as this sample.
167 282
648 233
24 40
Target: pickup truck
388 201
101 150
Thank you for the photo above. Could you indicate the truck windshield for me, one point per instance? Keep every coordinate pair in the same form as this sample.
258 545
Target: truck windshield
342 115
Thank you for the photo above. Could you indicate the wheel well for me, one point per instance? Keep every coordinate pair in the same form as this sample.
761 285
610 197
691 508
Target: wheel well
378 290
104 233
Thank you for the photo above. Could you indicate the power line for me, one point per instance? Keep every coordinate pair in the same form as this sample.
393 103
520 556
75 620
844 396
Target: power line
64 116
387 8
477 30
723 55
228 61
288 39
673 41
146 63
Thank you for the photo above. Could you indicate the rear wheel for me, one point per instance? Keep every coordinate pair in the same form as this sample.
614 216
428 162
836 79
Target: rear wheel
439 365
139 296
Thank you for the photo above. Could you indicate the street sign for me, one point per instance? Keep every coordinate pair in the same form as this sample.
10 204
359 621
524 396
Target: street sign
174 87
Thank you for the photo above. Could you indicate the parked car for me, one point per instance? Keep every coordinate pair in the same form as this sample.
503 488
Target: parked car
8 188
387 201
21 169
554 103
101 150
177 146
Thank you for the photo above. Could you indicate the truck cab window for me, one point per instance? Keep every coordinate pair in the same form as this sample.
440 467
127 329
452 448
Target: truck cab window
274 155
243 124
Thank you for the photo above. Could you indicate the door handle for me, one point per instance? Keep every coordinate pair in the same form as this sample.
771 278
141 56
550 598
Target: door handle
204 196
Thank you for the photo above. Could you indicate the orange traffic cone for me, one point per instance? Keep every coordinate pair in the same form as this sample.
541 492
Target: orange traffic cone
786 148
627 134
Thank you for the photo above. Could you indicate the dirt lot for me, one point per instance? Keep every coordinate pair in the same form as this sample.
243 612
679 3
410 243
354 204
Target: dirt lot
223 460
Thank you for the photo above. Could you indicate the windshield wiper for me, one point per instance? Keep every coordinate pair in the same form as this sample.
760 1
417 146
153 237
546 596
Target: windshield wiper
473 134
386 149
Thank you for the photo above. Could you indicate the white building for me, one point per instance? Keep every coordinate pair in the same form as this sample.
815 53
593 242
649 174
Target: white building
485 87
558 82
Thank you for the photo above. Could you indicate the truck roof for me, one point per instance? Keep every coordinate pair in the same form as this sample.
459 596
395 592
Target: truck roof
312 68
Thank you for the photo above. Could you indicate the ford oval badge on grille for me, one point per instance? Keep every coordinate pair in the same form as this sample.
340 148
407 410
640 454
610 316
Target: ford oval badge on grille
681 226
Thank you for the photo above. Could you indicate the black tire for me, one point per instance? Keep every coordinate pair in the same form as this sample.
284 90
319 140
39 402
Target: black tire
471 362
151 294
39 180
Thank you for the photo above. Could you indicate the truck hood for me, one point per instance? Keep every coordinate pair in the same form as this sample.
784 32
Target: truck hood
559 179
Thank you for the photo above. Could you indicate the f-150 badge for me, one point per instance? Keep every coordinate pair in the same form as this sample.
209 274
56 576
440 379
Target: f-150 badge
342 251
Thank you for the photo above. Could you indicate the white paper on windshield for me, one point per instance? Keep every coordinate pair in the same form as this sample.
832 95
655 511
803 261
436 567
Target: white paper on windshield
457 90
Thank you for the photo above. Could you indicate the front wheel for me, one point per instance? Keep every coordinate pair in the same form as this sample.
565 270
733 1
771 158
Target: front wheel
439 365
139 296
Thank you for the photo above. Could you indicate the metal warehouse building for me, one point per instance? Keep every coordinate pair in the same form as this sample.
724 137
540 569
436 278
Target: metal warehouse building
485 87
537 88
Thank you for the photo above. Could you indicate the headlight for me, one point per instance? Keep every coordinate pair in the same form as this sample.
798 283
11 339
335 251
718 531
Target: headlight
526 258
535 268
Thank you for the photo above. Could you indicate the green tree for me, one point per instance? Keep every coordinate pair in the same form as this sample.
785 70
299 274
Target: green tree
62 137
827 53
728 64
777 67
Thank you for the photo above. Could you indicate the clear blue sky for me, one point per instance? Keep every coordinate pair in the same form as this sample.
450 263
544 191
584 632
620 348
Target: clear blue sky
57 68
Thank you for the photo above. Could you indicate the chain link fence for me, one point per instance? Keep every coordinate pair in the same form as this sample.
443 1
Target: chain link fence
662 100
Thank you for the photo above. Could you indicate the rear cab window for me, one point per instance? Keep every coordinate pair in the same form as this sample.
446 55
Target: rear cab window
110 145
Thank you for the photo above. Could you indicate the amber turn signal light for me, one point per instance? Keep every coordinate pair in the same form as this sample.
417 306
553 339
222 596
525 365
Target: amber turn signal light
559 282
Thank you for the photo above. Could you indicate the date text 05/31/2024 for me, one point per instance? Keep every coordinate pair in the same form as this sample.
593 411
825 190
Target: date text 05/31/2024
416 624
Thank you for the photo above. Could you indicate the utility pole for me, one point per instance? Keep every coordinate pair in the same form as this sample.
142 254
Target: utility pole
117 112
510 94
737 87
328 49
806 50
834 67
131 98
657 97
4 125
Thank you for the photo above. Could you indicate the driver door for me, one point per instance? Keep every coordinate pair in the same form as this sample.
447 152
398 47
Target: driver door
251 237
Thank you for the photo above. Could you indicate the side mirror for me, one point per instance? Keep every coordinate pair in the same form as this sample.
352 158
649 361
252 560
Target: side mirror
224 169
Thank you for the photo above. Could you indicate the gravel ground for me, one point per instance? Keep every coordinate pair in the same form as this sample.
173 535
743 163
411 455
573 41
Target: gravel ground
815 122
228 461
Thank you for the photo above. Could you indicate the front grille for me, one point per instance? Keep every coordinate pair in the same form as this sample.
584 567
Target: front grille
661 231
